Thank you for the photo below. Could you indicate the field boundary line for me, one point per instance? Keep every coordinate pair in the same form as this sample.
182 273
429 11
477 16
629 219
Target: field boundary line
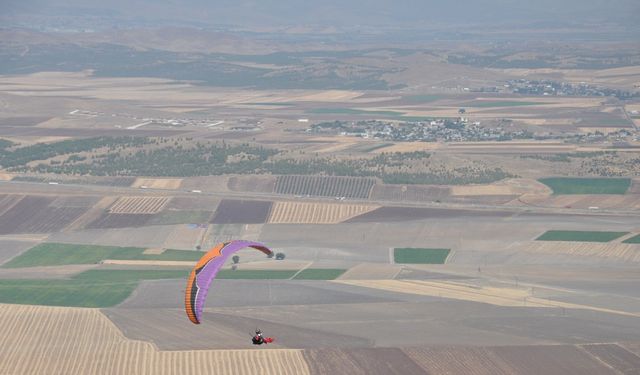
300 270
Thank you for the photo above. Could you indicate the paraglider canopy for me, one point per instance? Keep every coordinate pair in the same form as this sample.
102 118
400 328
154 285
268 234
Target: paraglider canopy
206 270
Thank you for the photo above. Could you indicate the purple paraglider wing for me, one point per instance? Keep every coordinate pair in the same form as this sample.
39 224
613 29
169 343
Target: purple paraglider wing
206 270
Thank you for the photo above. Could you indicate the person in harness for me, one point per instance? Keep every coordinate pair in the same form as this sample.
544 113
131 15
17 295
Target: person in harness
258 339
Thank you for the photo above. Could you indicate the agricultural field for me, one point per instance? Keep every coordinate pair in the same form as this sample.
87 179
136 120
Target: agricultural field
158 183
259 184
36 214
411 193
256 274
110 221
500 103
325 186
621 252
579 236
92 288
100 348
601 201
168 217
55 254
420 255
314 213
138 205
567 185
319 274
232 211
510 360
10 249
634 239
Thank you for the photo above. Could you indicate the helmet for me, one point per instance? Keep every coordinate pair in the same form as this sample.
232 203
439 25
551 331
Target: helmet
258 331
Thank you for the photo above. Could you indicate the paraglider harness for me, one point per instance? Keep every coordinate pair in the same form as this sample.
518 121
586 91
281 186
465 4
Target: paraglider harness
259 340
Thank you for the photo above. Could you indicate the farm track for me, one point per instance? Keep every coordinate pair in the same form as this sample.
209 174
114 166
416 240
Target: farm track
325 186
314 213
138 205
58 340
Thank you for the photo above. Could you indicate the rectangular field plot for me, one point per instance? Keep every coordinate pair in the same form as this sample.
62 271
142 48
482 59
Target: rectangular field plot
319 274
417 193
325 186
634 239
168 217
579 236
420 255
93 288
64 293
259 184
56 254
138 205
256 274
315 213
36 214
567 185
107 221
232 211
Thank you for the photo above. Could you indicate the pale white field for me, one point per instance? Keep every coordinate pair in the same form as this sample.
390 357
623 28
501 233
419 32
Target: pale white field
315 213
139 205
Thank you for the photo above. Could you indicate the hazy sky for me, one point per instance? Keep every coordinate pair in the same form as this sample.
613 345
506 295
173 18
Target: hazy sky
339 12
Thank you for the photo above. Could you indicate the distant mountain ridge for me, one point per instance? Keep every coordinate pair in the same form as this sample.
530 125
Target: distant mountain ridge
341 13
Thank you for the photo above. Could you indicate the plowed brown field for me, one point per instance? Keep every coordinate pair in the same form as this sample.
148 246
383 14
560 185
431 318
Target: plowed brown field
138 205
314 213
59 340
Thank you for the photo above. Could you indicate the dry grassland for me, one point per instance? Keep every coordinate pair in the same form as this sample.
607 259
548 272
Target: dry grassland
498 296
154 251
59 340
185 237
627 201
5 177
315 213
138 205
612 250
158 183
516 186
409 147
625 77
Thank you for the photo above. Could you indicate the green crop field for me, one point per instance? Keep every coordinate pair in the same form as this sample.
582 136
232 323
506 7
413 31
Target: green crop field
499 103
568 185
256 274
56 254
634 239
93 288
319 274
579 236
129 276
420 255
